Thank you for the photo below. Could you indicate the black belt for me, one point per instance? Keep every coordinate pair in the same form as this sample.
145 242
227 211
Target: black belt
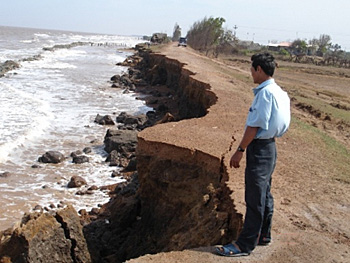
265 140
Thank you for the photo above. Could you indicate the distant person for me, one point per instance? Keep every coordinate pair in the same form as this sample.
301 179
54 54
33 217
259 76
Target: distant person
268 118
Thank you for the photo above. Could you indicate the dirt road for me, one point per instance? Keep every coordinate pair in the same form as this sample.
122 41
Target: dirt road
311 184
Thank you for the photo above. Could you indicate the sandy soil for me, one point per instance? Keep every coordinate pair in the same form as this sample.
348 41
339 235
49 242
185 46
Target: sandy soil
311 184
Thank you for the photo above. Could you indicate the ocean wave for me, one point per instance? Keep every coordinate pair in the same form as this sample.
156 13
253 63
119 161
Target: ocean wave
27 123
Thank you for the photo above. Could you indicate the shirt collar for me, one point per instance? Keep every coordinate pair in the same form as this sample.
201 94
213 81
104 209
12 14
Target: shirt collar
263 85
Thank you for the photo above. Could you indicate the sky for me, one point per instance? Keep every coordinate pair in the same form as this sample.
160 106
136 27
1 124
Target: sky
261 21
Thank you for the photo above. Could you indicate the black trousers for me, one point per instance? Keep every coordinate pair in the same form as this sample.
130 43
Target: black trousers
261 161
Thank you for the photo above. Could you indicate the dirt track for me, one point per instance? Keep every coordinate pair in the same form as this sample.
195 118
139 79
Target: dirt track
311 184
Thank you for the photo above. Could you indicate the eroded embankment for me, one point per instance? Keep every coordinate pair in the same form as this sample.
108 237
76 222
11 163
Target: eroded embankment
181 200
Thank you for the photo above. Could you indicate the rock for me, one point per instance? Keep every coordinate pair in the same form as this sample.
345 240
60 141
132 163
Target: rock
104 120
123 82
76 153
76 181
8 66
87 192
51 157
80 159
4 175
115 78
35 166
126 81
38 208
131 165
114 85
87 150
123 141
168 117
94 211
93 188
113 158
138 120
121 117
56 238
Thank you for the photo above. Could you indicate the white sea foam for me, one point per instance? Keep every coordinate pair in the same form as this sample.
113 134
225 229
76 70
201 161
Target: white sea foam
51 104
22 125
42 35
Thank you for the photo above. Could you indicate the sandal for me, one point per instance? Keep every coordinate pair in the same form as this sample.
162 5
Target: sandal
265 241
230 250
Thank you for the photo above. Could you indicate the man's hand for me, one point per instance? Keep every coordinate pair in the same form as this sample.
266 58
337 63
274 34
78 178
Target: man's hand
235 159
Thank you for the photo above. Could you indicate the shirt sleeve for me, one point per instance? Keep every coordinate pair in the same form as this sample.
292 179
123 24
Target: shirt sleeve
260 111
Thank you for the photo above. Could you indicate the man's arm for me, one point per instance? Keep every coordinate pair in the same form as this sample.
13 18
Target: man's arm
248 137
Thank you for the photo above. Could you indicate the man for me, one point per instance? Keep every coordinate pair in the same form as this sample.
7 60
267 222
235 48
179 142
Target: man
268 118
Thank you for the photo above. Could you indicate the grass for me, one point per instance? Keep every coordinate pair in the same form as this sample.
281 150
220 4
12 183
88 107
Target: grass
325 107
335 153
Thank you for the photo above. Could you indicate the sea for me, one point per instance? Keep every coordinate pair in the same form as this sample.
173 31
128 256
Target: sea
50 103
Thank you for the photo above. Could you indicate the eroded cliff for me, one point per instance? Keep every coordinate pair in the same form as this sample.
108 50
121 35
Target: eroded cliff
182 200
178 198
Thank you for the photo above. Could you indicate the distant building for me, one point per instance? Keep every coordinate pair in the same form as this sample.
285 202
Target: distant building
279 46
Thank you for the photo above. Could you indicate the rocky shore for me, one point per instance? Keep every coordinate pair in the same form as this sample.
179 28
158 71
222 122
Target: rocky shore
175 196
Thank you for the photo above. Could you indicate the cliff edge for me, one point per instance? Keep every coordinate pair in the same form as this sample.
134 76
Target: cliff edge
182 200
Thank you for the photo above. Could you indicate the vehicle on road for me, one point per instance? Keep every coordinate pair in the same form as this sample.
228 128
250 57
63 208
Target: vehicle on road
182 42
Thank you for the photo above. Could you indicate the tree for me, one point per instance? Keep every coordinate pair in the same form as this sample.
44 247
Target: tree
299 46
224 45
324 43
205 35
176 33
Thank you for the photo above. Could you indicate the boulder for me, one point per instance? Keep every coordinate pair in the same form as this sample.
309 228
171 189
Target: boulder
104 120
87 150
4 175
132 165
138 121
8 66
123 141
126 81
115 78
80 159
49 238
121 117
76 181
113 158
122 82
76 153
51 157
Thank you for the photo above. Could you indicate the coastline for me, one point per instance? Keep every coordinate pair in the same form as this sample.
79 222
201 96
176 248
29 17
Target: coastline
207 141
211 190
49 103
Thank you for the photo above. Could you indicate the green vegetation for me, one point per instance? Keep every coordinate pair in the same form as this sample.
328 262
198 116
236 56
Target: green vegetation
325 107
176 33
332 151
208 34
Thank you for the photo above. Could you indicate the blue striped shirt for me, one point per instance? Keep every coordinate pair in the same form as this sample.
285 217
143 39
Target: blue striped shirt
270 110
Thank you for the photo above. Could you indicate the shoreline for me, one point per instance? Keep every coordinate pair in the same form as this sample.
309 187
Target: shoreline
132 191
45 184
177 158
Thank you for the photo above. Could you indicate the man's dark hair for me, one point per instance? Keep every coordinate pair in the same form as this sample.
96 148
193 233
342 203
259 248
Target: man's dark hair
266 61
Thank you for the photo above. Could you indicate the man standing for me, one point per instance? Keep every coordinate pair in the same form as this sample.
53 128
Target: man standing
268 118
